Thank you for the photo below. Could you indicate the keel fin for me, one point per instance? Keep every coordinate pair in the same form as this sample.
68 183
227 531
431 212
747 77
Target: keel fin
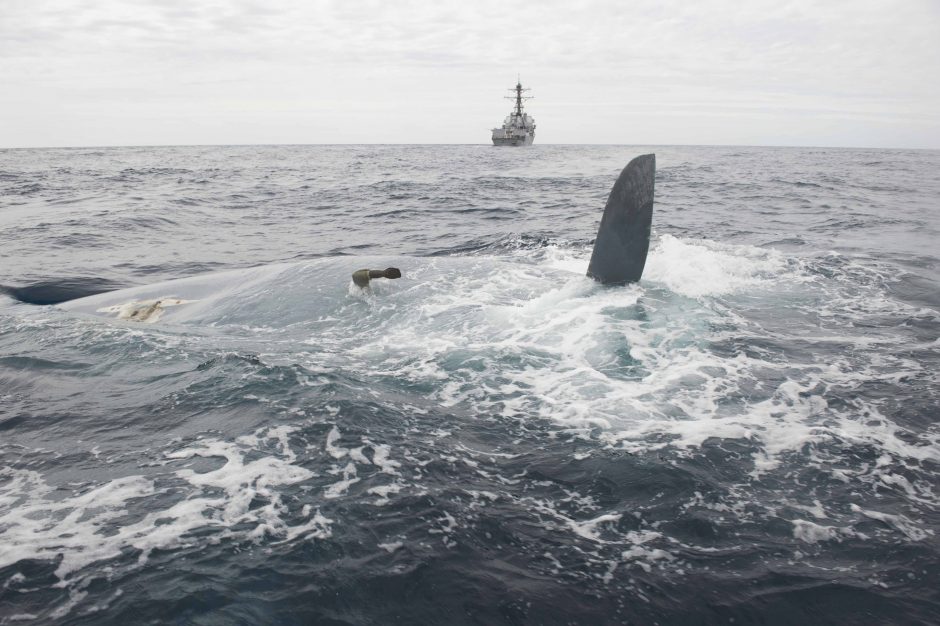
623 239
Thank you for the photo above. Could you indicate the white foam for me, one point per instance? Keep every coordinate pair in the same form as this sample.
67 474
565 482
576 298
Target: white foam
243 483
392 546
340 487
641 555
358 456
817 510
568 259
337 452
698 268
900 522
380 457
811 532
384 491
36 524
590 529
318 527
239 499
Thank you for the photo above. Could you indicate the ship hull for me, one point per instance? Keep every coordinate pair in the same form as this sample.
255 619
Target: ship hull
514 141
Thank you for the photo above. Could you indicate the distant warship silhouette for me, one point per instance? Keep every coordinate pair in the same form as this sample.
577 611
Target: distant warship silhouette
518 128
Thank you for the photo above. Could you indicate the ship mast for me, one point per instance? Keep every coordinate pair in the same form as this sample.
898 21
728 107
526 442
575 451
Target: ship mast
519 98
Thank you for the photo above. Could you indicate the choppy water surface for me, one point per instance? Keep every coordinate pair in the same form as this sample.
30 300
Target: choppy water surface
749 434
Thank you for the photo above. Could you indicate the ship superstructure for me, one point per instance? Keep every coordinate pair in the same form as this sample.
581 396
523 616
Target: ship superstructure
518 128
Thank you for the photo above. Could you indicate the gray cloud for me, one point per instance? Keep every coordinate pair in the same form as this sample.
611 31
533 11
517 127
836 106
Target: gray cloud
783 73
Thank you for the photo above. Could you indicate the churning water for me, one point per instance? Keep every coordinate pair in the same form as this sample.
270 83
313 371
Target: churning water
749 434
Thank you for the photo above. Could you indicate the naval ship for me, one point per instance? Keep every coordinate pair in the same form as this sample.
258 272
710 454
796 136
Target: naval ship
518 128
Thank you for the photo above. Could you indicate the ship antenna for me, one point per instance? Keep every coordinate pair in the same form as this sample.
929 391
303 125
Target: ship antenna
518 89
519 98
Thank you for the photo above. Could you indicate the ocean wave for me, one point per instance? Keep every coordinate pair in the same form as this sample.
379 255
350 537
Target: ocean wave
493 431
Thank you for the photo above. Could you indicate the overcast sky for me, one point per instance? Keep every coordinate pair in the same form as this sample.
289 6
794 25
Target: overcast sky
145 72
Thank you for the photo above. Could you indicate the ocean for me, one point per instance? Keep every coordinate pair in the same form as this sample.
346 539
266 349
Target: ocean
749 435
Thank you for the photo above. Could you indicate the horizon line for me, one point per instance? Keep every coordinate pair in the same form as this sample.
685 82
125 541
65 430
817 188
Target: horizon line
536 146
